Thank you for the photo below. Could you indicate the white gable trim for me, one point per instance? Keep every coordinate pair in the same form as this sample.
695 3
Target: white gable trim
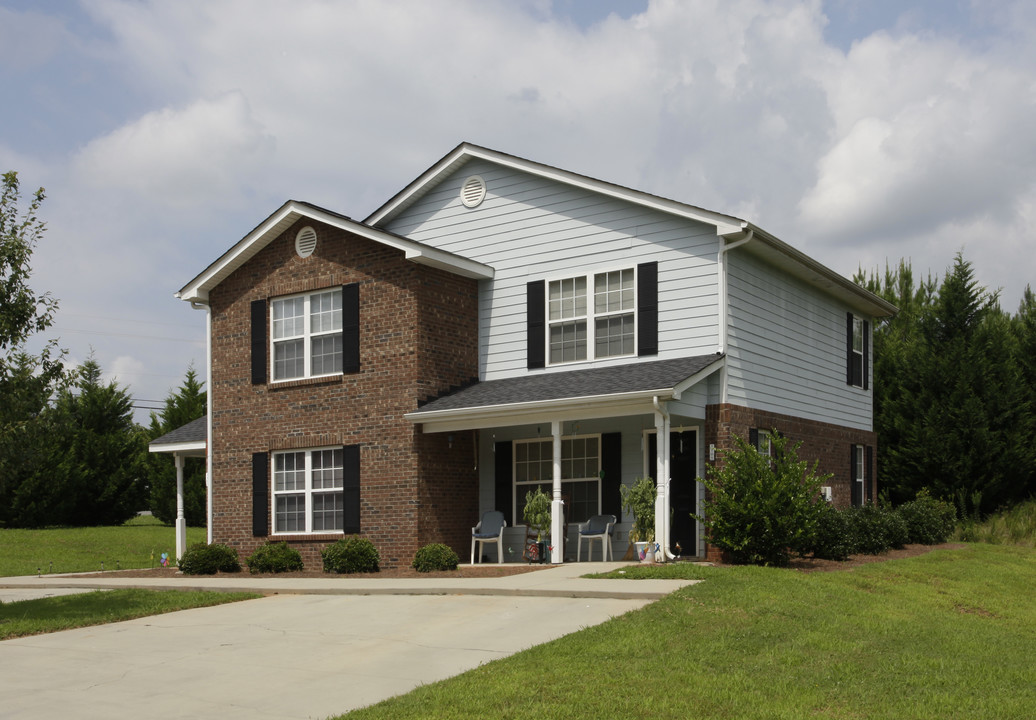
198 289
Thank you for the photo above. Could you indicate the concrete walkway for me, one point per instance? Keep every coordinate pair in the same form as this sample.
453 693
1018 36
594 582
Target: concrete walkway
320 647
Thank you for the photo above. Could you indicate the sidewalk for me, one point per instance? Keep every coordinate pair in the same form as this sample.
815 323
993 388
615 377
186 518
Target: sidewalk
558 581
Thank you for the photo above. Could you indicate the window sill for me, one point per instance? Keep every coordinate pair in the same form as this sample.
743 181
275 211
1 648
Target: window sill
304 382
308 537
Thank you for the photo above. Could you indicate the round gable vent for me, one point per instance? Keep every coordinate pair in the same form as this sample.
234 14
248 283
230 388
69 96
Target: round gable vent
306 242
473 191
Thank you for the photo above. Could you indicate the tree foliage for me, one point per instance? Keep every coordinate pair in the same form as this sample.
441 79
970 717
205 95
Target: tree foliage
181 407
954 406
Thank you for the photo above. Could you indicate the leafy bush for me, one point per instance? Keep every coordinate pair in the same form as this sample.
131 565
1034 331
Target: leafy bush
835 538
929 521
877 529
202 559
274 557
351 554
761 509
435 557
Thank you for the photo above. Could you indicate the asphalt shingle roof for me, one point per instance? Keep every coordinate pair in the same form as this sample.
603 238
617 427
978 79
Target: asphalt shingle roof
194 431
574 384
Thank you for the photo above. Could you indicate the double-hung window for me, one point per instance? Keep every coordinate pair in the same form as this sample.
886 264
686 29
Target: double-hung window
307 335
581 327
857 350
308 492
580 474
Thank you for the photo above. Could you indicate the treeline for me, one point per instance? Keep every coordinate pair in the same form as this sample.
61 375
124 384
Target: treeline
954 390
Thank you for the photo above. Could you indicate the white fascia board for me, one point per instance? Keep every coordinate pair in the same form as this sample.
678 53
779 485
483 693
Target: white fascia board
724 223
681 387
186 448
580 408
198 289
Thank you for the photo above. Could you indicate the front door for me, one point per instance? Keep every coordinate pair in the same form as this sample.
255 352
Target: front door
683 470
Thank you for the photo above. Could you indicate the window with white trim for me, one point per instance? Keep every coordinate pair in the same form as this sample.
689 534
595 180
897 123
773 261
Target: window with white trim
308 491
580 474
307 335
581 328
859 475
857 351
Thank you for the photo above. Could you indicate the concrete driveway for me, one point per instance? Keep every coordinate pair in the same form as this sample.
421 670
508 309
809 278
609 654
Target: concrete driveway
283 656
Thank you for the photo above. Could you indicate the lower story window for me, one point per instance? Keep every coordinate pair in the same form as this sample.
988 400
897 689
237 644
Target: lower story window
580 474
307 491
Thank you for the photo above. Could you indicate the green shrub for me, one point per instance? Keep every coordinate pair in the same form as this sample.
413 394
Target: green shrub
202 559
877 529
274 557
929 521
353 554
761 509
435 557
835 538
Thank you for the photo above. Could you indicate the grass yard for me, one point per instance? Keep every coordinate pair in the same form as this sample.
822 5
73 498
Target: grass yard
31 617
950 634
137 544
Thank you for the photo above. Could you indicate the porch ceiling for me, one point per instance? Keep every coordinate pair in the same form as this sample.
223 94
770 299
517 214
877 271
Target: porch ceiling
569 395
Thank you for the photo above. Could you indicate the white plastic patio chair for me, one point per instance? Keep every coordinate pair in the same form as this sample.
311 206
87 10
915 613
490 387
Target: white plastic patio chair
599 527
489 529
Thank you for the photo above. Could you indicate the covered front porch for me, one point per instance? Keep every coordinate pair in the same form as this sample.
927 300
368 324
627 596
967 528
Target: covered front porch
190 440
580 435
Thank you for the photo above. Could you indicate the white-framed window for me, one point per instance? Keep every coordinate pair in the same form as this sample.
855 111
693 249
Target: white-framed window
859 475
857 351
307 335
580 474
765 443
308 491
581 327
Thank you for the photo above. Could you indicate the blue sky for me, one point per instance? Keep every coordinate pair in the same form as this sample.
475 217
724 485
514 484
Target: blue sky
859 131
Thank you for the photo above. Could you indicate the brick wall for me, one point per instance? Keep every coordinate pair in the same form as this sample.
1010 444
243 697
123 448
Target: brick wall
418 338
829 444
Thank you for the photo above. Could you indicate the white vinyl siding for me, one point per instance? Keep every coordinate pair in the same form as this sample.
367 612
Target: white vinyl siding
531 228
787 345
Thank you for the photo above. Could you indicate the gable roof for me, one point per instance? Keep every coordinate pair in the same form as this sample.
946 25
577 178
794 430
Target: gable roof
733 229
197 290
593 392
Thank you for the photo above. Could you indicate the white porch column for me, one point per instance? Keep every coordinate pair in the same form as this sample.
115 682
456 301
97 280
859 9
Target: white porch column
557 507
181 522
662 481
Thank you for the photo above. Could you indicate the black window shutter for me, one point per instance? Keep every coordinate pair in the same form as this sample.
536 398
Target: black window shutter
351 488
866 352
536 313
849 349
351 328
502 469
753 437
259 324
611 478
647 309
260 495
868 474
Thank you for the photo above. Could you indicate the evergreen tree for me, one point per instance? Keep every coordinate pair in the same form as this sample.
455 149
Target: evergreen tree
181 407
102 450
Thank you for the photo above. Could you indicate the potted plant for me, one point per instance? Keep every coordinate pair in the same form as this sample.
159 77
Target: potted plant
537 516
638 500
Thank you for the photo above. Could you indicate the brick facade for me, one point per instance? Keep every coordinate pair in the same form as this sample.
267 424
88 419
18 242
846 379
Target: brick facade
829 444
418 339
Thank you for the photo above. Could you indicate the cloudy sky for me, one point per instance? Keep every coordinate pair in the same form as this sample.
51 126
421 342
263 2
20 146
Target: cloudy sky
859 131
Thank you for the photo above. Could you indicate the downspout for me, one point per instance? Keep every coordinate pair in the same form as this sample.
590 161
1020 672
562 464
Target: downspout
662 502
208 417
724 304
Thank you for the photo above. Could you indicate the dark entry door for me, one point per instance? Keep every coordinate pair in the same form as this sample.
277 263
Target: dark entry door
683 469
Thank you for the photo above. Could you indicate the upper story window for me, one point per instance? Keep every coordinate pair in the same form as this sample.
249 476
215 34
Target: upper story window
307 335
592 316
857 351
604 327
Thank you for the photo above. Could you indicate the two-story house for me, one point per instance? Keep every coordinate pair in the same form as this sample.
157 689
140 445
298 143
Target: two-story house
499 325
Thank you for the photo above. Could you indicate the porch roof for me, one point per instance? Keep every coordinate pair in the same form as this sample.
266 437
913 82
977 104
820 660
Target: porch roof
572 394
189 439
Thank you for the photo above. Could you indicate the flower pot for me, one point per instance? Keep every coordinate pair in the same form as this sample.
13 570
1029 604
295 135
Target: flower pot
645 552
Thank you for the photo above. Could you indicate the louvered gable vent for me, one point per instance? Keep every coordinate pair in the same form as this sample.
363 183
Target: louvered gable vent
473 192
306 242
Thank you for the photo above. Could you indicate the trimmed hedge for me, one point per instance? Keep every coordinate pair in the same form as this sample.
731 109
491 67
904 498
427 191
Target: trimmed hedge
353 554
202 559
435 557
274 557
836 536
929 521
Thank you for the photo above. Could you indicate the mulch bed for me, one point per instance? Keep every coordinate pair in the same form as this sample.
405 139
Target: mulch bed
492 571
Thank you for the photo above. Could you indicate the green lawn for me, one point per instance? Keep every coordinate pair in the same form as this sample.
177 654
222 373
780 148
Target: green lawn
950 634
137 544
30 617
